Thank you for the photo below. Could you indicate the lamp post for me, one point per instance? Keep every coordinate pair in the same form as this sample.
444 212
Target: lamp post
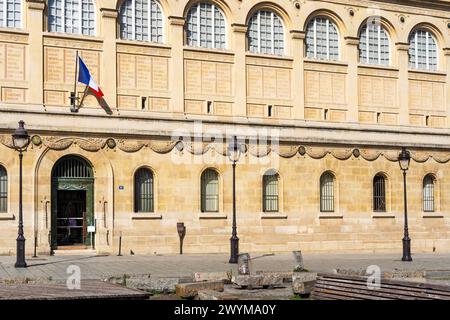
234 152
21 139
403 159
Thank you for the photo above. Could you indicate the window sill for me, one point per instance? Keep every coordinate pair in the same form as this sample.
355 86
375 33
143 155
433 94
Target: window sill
377 66
331 215
432 215
269 56
330 62
146 216
383 216
208 50
273 215
431 72
144 43
72 36
212 215
7 216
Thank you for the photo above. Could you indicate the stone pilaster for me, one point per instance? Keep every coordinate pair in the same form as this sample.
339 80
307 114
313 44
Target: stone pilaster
240 70
176 65
352 78
298 76
109 83
36 57
403 84
447 64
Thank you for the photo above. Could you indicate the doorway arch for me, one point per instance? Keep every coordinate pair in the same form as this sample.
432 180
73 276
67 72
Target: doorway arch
72 194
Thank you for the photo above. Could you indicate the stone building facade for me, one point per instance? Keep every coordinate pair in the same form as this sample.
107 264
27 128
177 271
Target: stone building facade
322 94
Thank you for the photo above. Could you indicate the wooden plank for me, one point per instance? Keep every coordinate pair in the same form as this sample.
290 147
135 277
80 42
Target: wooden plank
436 294
89 289
345 287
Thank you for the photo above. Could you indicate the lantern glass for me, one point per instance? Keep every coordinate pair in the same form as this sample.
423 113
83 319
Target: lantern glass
20 137
403 159
234 150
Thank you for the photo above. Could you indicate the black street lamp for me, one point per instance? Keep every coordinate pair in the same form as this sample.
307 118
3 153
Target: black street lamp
234 152
403 159
21 139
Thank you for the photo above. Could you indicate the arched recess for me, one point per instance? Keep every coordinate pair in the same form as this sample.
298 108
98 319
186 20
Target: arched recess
272 173
438 37
337 21
103 205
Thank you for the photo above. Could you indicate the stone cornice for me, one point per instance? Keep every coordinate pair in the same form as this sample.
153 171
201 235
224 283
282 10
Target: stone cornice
351 40
109 13
36 4
241 28
298 34
176 21
402 46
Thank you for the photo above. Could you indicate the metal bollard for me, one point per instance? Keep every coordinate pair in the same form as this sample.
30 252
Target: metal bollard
181 233
120 245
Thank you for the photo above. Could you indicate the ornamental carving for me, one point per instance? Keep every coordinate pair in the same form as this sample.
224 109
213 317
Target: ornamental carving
129 146
201 147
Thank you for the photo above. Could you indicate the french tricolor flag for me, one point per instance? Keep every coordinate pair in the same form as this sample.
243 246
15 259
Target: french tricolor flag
85 77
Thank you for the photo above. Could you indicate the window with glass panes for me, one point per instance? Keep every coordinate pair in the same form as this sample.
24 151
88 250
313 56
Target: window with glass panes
327 192
3 190
11 13
266 33
206 26
374 45
428 194
379 194
143 191
270 192
322 39
210 191
71 16
423 50
141 20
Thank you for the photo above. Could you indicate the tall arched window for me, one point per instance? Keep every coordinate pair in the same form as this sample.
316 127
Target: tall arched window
141 20
379 193
210 191
3 190
327 192
143 191
71 16
270 192
423 50
11 13
206 26
266 33
374 45
322 39
428 193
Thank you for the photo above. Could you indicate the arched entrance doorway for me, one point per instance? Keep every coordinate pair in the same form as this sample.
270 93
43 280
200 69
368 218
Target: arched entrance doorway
72 202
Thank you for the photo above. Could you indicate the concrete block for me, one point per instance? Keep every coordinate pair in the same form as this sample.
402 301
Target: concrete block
213 276
190 290
214 295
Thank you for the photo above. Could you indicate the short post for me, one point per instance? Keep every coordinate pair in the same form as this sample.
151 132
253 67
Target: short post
120 245
35 244
181 233
298 266
244 264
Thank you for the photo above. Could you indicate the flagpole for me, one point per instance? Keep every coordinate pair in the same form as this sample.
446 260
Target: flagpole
74 97
84 95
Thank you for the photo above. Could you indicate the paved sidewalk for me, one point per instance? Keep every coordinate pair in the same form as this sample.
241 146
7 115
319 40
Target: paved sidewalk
99 267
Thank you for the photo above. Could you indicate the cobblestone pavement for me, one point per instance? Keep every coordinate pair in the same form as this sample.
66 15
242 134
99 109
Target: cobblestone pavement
99 267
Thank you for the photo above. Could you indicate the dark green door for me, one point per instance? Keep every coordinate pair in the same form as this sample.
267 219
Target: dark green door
72 202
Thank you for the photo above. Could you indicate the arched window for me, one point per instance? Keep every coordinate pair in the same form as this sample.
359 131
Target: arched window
11 13
327 192
423 50
374 44
265 33
270 192
322 39
3 190
379 193
210 191
428 193
71 16
206 26
143 191
141 20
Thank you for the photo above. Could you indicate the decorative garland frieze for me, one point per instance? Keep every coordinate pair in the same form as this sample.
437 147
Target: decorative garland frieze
200 147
